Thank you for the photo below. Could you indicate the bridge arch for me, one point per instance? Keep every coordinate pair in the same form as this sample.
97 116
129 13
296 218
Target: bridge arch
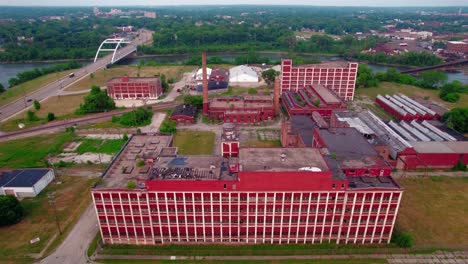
117 42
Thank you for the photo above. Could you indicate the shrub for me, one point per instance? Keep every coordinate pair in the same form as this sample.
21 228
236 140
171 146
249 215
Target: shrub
50 117
138 117
402 239
460 166
37 105
168 127
11 210
131 185
252 91
140 163
31 116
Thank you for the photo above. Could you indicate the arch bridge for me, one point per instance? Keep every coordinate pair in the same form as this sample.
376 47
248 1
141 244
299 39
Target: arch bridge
117 53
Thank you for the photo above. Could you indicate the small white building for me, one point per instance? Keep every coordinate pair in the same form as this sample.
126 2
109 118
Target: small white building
243 74
199 75
25 183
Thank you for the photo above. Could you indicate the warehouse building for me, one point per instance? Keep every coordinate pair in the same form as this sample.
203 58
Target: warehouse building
25 183
337 76
265 195
405 108
134 88
243 74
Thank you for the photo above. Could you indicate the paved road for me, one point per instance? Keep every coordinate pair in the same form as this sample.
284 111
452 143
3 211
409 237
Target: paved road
54 88
73 248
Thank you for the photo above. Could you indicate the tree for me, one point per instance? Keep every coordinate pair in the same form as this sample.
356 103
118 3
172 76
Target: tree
457 118
138 117
164 84
168 127
365 77
31 116
402 239
37 105
96 101
269 76
195 100
2 89
432 79
11 210
50 117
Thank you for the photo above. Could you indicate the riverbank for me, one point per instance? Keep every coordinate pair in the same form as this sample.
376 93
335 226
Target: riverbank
44 61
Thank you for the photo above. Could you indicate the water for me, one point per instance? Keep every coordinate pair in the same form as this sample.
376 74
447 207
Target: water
8 71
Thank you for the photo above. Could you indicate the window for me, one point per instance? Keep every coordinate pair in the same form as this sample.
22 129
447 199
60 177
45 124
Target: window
333 186
225 186
342 186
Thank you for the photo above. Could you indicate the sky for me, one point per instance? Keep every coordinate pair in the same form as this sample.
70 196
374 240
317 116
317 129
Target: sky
235 2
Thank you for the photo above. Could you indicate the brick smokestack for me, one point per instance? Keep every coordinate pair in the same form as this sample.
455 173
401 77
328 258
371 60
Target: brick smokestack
276 95
205 84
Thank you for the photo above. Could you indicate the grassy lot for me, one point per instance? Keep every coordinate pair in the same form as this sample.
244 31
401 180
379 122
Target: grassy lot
262 143
102 76
39 219
434 211
409 90
194 142
62 106
107 146
30 152
247 250
25 88
288 261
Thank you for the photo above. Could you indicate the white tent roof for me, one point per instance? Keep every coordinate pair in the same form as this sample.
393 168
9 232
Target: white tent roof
199 74
242 73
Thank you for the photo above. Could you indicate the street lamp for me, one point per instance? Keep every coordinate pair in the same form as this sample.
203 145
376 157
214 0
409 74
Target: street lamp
51 198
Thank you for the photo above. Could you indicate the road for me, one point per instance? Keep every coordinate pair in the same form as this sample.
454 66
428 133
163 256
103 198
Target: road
73 248
56 87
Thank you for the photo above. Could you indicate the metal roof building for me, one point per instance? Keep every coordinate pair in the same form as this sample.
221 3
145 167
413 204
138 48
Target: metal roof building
25 183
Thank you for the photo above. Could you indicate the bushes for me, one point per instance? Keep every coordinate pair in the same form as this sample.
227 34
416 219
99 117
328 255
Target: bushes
31 116
450 91
96 101
11 210
402 239
457 119
50 117
460 166
252 91
168 127
195 100
32 74
138 117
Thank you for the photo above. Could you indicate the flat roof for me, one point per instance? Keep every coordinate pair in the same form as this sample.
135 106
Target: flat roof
326 94
346 141
304 126
185 110
327 64
22 178
280 159
239 102
133 79
370 182
361 161
440 146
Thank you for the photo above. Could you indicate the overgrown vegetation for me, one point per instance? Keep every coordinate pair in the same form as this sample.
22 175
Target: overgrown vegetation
402 239
33 74
168 126
270 75
195 100
194 142
139 117
106 146
407 58
457 118
96 101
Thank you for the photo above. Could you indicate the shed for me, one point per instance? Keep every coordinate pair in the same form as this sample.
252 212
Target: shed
25 183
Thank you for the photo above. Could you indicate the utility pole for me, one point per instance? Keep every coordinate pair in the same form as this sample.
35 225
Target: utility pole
51 197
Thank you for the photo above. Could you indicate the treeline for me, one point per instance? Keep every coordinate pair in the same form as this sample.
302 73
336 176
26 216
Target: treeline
32 74
411 58
449 92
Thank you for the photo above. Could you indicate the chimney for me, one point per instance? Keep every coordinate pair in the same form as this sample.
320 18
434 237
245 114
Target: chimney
276 95
205 84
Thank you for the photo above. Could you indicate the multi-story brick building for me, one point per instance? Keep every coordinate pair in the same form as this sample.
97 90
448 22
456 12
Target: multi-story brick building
266 195
134 87
457 46
337 76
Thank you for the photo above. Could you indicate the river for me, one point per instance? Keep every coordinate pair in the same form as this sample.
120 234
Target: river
8 71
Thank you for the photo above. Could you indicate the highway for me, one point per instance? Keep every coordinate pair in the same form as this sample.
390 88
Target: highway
54 88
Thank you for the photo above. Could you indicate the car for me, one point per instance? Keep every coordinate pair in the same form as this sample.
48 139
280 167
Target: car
29 100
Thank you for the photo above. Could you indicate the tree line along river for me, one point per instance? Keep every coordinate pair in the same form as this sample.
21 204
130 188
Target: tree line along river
8 71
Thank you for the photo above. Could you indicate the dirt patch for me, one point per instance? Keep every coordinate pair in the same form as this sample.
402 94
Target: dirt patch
83 158
72 146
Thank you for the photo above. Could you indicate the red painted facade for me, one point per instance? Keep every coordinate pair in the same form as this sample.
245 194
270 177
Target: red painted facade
338 77
243 110
134 88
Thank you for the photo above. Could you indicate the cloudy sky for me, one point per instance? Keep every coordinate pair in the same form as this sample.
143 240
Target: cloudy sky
235 2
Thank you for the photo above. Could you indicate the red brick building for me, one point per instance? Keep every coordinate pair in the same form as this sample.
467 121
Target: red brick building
340 77
312 98
184 114
266 195
134 88
457 46
242 109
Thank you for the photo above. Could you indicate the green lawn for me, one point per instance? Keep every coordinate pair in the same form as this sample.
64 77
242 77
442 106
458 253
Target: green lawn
435 211
72 197
194 142
107 146
32 151
262 143
289 261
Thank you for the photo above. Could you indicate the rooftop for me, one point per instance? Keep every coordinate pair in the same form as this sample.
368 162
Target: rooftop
185 110
22 178
280 159
133 79
369 182
304 126
326 94
440 146
346 141
240 102
327 64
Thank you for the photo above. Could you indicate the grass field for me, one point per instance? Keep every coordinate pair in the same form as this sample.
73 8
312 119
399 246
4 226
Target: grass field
412 91
26 88
435 211
62 106
262 143
30 152
39 220
289 261
102 76
108 146
194 142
